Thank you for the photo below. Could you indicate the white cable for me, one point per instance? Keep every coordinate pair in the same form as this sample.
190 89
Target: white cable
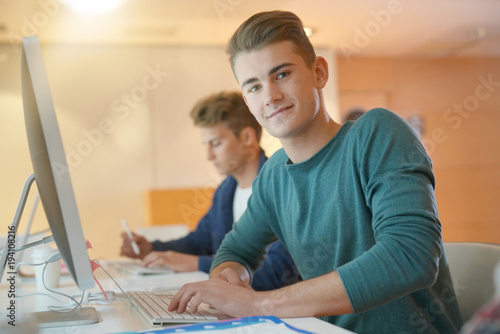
74 303
45 240
61 309
97 297
118 285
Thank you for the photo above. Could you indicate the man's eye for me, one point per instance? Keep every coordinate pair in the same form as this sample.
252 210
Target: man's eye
282 75
254 88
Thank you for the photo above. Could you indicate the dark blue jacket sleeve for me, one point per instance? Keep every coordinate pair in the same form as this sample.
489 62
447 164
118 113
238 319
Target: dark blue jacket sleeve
205 262
277 271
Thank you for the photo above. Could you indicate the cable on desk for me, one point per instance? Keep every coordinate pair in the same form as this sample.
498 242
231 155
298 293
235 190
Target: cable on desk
118 285
62 309
74 303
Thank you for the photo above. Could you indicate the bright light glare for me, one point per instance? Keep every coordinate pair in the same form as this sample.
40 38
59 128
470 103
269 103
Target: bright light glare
309 31
94 6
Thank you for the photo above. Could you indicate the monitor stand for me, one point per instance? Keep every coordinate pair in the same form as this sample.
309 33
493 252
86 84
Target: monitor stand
7 249
77 317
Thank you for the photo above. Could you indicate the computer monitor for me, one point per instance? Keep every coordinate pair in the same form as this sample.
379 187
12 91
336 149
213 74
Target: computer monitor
50 167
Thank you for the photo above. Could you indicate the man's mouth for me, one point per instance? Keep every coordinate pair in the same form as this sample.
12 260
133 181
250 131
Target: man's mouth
279 111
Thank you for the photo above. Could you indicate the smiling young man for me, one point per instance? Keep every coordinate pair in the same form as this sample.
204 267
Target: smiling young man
354 204
231 135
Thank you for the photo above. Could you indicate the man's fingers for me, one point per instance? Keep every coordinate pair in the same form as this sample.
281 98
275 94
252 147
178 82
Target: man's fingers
177 301
125 250
136 238
155 263
191 294
193 304
187 298
150 260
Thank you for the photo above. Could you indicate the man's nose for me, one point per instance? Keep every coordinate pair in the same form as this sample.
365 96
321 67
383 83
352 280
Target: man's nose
210 154
273 95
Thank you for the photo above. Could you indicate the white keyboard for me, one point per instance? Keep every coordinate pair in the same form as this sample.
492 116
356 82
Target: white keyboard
133 267
137 269
154 306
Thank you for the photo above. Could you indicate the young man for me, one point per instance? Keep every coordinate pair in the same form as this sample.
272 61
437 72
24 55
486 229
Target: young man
232 137
354 204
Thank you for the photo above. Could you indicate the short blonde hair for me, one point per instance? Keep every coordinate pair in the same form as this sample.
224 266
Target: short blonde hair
269 27
229 108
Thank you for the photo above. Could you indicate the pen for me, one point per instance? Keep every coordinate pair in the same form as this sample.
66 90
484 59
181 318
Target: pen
129 234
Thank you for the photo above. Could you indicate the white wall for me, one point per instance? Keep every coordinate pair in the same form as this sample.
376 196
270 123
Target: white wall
125 129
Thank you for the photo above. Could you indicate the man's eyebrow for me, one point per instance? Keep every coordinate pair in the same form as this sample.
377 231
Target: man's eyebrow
272 71
210 141
279 67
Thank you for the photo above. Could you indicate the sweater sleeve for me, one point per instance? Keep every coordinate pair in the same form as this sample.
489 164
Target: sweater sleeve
398 184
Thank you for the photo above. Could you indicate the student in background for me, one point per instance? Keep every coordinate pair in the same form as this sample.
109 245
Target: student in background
354 203
231 135
353 115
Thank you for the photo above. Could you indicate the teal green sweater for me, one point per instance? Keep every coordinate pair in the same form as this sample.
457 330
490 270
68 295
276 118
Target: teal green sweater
363 205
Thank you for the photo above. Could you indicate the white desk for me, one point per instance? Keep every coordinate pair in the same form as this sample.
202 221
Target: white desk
117 316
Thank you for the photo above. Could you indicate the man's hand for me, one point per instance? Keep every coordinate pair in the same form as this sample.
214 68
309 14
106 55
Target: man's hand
225 291
145 247
174 260
231 275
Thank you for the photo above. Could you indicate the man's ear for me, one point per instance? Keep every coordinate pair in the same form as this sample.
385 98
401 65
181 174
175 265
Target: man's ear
248 136
320 68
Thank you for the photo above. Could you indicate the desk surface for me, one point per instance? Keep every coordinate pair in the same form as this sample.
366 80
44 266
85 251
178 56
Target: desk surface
117 316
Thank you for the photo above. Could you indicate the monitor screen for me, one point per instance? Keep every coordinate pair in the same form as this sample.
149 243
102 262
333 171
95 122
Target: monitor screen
49 165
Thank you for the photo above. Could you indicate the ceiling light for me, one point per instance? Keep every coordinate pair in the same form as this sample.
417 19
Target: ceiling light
309 31
94 6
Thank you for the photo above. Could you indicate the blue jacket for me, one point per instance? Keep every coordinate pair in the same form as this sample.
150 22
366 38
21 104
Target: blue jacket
276 271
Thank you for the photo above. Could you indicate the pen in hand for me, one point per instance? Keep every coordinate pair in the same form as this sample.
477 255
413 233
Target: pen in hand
135 248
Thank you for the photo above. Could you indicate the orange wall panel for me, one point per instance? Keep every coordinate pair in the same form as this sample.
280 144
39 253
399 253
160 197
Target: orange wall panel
178 206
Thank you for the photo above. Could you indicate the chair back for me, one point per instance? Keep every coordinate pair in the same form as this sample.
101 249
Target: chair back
472 265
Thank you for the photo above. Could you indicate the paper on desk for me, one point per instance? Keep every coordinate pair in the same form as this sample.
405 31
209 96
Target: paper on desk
265 325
